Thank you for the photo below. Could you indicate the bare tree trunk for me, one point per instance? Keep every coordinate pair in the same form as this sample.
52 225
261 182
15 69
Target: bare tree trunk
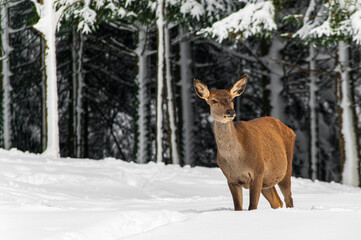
349 143
72 103
186 97
160 81
6 73
79 96
171 113
312 108
142 154
77 91
44 127
276 85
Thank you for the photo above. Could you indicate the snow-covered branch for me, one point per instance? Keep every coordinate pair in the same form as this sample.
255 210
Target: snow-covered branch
253 19
333 20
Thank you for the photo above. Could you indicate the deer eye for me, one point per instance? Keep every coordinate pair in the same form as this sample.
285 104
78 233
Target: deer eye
214 101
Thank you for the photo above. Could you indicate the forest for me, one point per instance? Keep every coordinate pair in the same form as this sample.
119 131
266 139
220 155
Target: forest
113 78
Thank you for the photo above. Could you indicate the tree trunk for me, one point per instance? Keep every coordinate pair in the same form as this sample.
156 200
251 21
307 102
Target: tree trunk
142 154
44 127
276 85
172 123
79 96
85 128
160 81
312 107
72 103
47 27
6 73
349 144
186 98
77 91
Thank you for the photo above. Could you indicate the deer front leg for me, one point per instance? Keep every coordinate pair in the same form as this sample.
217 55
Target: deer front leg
255 192
237 196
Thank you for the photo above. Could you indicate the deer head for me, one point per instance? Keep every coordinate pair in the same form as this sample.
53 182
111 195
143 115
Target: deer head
221 100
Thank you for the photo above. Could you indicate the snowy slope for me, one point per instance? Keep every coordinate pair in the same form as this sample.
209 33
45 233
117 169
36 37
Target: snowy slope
72 199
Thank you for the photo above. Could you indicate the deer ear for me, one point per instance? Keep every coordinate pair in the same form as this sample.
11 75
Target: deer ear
239 87
201 89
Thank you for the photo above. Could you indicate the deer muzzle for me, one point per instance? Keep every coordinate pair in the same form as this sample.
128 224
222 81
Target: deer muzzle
230 113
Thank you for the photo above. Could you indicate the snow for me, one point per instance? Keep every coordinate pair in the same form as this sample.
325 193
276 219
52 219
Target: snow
254 18
56 198
331 26
193 7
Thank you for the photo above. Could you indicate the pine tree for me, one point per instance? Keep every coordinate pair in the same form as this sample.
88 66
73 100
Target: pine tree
339 21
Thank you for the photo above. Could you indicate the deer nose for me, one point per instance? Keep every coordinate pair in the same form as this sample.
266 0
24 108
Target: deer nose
230 113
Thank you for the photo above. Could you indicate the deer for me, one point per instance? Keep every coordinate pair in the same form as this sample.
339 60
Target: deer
256 154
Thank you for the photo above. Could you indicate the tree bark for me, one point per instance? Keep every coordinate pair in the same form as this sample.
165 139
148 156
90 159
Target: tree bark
186 97
312 109
6 73
349 143
160 81
142 154
171 112
276 85
47 27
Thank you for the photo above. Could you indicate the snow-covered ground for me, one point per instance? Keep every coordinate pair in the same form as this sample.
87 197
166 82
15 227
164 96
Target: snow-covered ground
72 199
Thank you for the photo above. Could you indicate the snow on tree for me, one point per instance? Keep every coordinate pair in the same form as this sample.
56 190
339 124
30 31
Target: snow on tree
255 18
142 96
50 14
48 19
160 79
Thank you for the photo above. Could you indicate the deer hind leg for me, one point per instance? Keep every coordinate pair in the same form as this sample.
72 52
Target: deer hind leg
285 184
272 197
237 196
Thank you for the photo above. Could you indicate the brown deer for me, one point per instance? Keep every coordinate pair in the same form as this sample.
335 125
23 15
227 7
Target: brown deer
256 154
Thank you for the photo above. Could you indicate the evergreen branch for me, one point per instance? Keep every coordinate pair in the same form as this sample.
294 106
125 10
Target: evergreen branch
119 51
120 26
99 69
259 60
119 44
64 10
231 51
109 123
301 69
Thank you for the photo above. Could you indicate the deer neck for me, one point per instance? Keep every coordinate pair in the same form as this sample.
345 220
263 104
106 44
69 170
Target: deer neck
227 141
